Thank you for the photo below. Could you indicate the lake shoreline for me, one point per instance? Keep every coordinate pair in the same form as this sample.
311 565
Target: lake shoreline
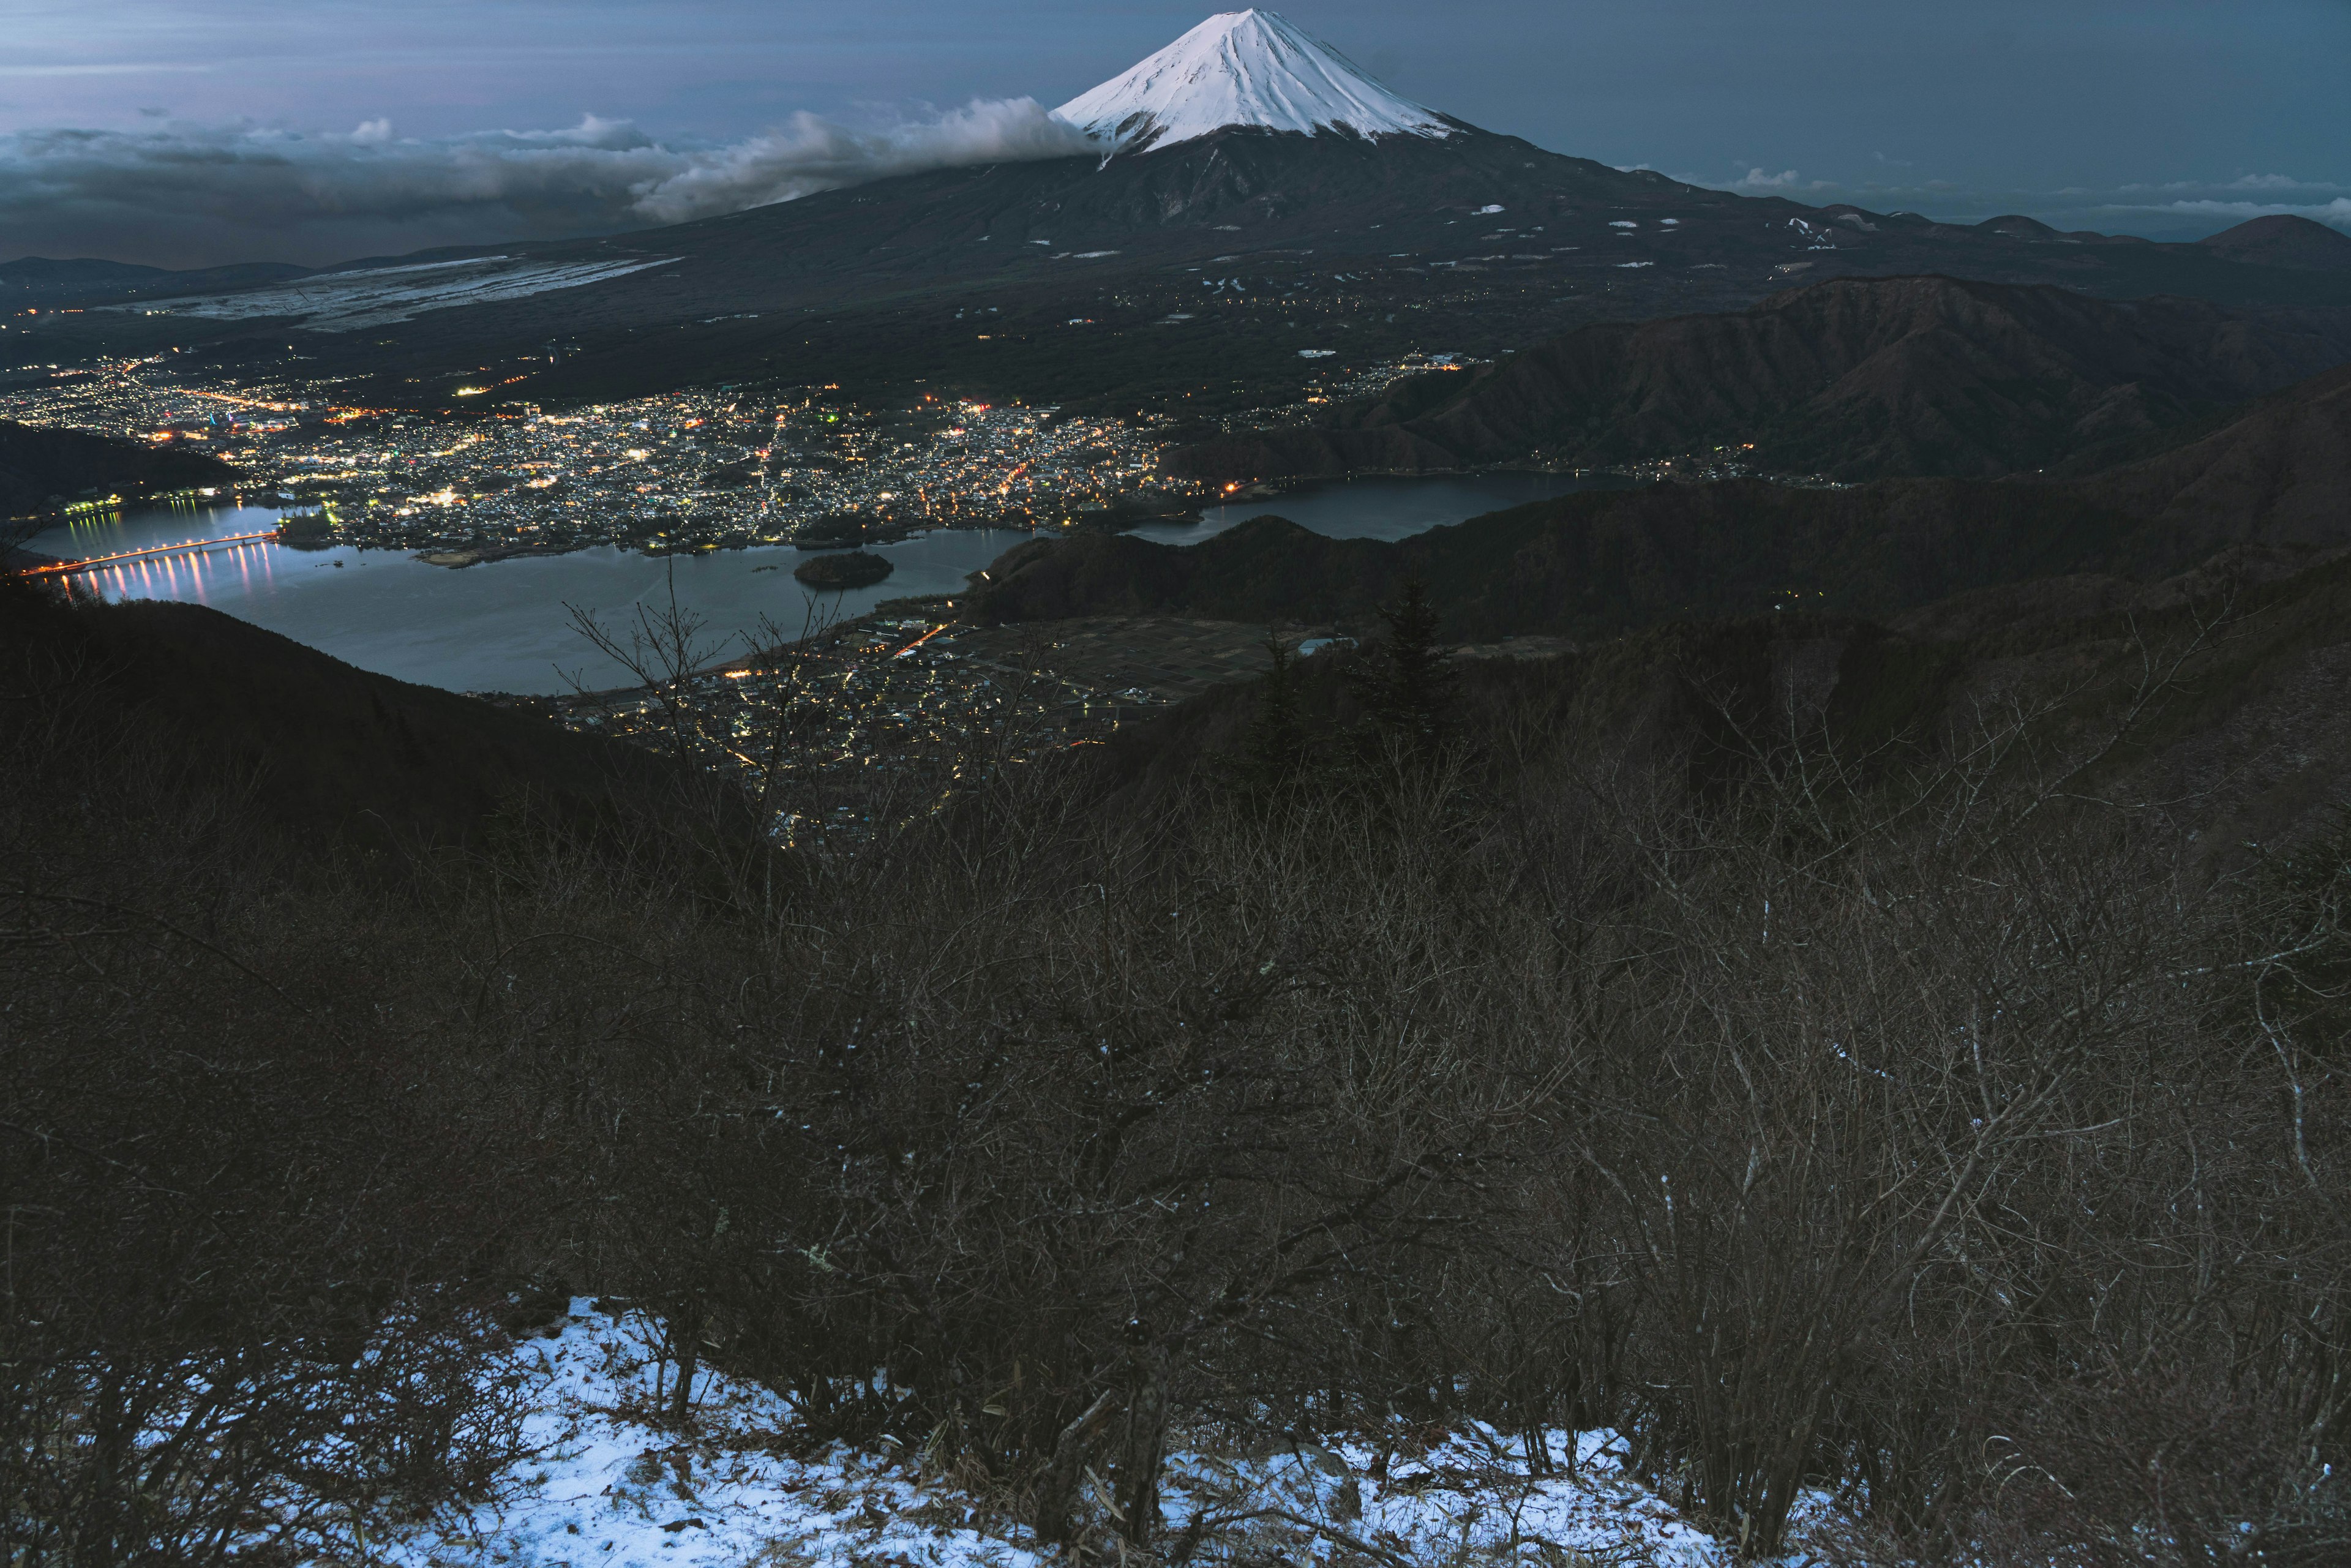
513 629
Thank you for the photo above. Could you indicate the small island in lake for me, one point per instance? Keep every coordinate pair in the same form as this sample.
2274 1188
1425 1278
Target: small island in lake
845 568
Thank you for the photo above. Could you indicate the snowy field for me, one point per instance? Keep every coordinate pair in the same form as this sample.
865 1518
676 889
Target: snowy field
347 301
608 1486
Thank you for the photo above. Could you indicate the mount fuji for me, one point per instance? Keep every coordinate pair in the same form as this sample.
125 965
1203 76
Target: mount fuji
1244 68
1251 204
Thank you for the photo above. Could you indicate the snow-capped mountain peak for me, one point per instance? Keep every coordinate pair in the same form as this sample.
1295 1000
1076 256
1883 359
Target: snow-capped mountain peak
1243 67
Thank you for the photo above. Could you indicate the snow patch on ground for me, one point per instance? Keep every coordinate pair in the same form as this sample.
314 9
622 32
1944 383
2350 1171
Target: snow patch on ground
607 1486
348 302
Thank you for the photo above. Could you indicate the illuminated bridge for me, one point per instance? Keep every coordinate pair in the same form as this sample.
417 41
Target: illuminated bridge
190 546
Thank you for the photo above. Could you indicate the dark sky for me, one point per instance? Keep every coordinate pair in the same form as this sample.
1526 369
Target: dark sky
187 131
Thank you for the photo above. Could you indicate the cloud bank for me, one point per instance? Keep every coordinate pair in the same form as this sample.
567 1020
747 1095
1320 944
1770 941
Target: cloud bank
2247 196
2170 210
2337 212
179 194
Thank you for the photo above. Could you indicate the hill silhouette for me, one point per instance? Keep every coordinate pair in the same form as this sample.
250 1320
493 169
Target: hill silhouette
1594 564
41 466
2276 476
331 752
2284 240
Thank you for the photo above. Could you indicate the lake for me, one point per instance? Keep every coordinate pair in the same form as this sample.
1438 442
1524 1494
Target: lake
507 625
1384 508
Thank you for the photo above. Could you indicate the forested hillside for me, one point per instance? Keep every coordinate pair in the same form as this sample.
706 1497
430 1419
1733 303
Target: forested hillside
1887 1066
41 468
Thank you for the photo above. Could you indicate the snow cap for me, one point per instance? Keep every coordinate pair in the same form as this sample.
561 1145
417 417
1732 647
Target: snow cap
1244 67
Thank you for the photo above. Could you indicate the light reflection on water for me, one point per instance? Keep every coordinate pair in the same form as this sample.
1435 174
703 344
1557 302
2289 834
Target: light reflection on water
500 626
506 626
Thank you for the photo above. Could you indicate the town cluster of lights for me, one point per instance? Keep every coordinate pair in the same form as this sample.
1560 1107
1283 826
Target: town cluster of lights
685 471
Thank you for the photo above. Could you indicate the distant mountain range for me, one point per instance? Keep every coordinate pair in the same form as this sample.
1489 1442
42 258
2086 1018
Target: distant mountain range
1852 378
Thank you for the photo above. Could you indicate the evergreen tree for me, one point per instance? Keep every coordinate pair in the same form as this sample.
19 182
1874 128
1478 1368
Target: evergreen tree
1410 688
1274 752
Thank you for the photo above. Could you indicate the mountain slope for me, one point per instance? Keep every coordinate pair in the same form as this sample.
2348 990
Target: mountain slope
1244 68
37 280
331 749
1365 249
2278 474
1851 378
2251 750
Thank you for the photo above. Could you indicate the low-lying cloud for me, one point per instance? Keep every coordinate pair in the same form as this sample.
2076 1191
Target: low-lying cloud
2337 212
2247 196
178 194
2171 210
